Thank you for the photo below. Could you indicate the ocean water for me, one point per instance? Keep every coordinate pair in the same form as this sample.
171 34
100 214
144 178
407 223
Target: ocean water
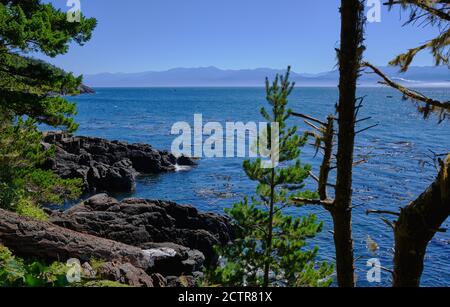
397 171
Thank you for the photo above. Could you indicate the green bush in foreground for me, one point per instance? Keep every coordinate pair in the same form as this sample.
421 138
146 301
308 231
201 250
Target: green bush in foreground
16 272
23 186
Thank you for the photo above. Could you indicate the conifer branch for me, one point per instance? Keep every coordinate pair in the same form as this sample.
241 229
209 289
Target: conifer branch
424 6
432 104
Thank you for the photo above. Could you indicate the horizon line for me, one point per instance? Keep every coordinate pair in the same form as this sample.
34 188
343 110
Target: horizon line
418 86
242 69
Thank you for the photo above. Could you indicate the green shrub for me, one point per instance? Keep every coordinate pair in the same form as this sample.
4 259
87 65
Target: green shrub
16 272
23 186
104 284
27 208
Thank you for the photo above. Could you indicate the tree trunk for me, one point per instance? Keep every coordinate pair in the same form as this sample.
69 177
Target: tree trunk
270 230
349 54
328 137
417 225
29 238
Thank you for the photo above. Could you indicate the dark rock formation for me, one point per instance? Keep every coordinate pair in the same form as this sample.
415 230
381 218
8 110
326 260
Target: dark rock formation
158 281
144 243
172 259
84 89
35 239
145 223
125 273
185 281
106 166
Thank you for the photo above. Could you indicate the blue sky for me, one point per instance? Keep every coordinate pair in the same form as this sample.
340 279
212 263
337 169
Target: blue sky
143 35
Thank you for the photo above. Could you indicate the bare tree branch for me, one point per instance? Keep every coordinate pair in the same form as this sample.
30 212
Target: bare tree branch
433 105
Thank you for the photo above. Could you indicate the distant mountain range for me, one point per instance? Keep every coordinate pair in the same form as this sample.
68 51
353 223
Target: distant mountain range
215 77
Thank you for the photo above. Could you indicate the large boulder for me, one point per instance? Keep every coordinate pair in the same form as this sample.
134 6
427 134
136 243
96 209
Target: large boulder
34 239
173 259
150 225
106 166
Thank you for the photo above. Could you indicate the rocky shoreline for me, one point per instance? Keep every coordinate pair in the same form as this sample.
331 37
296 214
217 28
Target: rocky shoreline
179 239
148 224
143 243
107 166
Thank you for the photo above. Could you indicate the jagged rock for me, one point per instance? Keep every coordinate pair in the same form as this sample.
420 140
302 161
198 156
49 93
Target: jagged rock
159 281
88 271
145 223
125 273
140 239
103 165
35 239
184 281
174 259
84 89
167 261
185 161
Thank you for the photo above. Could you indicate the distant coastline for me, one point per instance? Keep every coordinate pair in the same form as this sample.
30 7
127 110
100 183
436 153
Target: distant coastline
210 77
415 86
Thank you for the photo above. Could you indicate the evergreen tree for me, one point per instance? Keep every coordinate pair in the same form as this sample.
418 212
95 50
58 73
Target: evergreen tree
27 86
270 248
434 13
22 184
30 93
430 12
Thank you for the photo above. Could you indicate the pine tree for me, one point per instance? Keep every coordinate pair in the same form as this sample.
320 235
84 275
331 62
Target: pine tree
430 12
28 86
23 186
30 93
270 248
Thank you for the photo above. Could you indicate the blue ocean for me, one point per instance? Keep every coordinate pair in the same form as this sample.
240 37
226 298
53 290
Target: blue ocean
397 151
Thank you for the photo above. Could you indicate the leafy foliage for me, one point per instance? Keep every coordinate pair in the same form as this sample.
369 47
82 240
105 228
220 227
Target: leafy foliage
103 284
270 249
16 272
27 86
30 94
23 187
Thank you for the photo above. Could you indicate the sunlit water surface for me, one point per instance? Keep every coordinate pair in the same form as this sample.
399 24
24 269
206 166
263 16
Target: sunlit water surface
394 174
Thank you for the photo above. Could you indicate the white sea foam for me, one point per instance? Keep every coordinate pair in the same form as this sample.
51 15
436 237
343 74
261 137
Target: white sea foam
182 168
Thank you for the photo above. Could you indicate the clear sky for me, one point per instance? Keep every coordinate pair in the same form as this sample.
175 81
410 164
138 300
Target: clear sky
143 35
